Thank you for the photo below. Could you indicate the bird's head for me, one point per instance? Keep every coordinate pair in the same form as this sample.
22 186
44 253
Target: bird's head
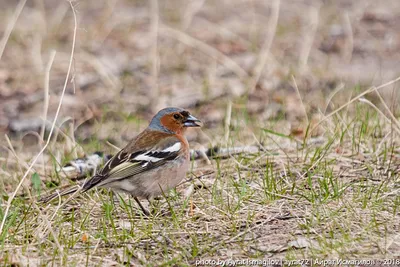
173 120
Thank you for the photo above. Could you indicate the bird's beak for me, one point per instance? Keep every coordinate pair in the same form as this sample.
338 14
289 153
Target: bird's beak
192 121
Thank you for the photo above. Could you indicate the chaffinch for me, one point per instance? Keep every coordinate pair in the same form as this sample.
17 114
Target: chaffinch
153 162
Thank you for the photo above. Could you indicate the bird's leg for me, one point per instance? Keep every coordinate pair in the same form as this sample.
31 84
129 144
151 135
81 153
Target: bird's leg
151 205
115 197
146 212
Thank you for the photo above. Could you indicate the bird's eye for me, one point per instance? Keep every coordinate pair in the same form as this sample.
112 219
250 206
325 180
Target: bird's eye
176 116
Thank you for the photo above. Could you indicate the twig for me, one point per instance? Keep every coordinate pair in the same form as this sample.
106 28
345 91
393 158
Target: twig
301 100
332 95
192 8
228 121
348 51
19 161
392 117
363 100
308 39
154 91
230 240
273 22
373 88
107 76
10 26
205 48
46 91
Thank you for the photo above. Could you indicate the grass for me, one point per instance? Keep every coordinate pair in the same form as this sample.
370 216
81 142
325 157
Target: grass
335 199
316 189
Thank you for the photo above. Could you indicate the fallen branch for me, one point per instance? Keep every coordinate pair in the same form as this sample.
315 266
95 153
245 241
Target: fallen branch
81 167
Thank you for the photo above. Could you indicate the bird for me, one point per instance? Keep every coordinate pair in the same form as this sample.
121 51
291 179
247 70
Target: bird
152 163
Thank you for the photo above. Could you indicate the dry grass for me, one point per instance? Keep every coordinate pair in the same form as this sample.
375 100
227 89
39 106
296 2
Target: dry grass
324 184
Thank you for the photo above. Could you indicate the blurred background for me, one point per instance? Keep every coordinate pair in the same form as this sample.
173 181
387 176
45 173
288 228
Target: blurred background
266 63
260 74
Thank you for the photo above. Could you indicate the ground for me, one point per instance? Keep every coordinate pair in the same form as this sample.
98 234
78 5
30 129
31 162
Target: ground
306 90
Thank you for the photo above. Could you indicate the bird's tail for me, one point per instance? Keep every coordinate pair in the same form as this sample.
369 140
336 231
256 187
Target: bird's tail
58 194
